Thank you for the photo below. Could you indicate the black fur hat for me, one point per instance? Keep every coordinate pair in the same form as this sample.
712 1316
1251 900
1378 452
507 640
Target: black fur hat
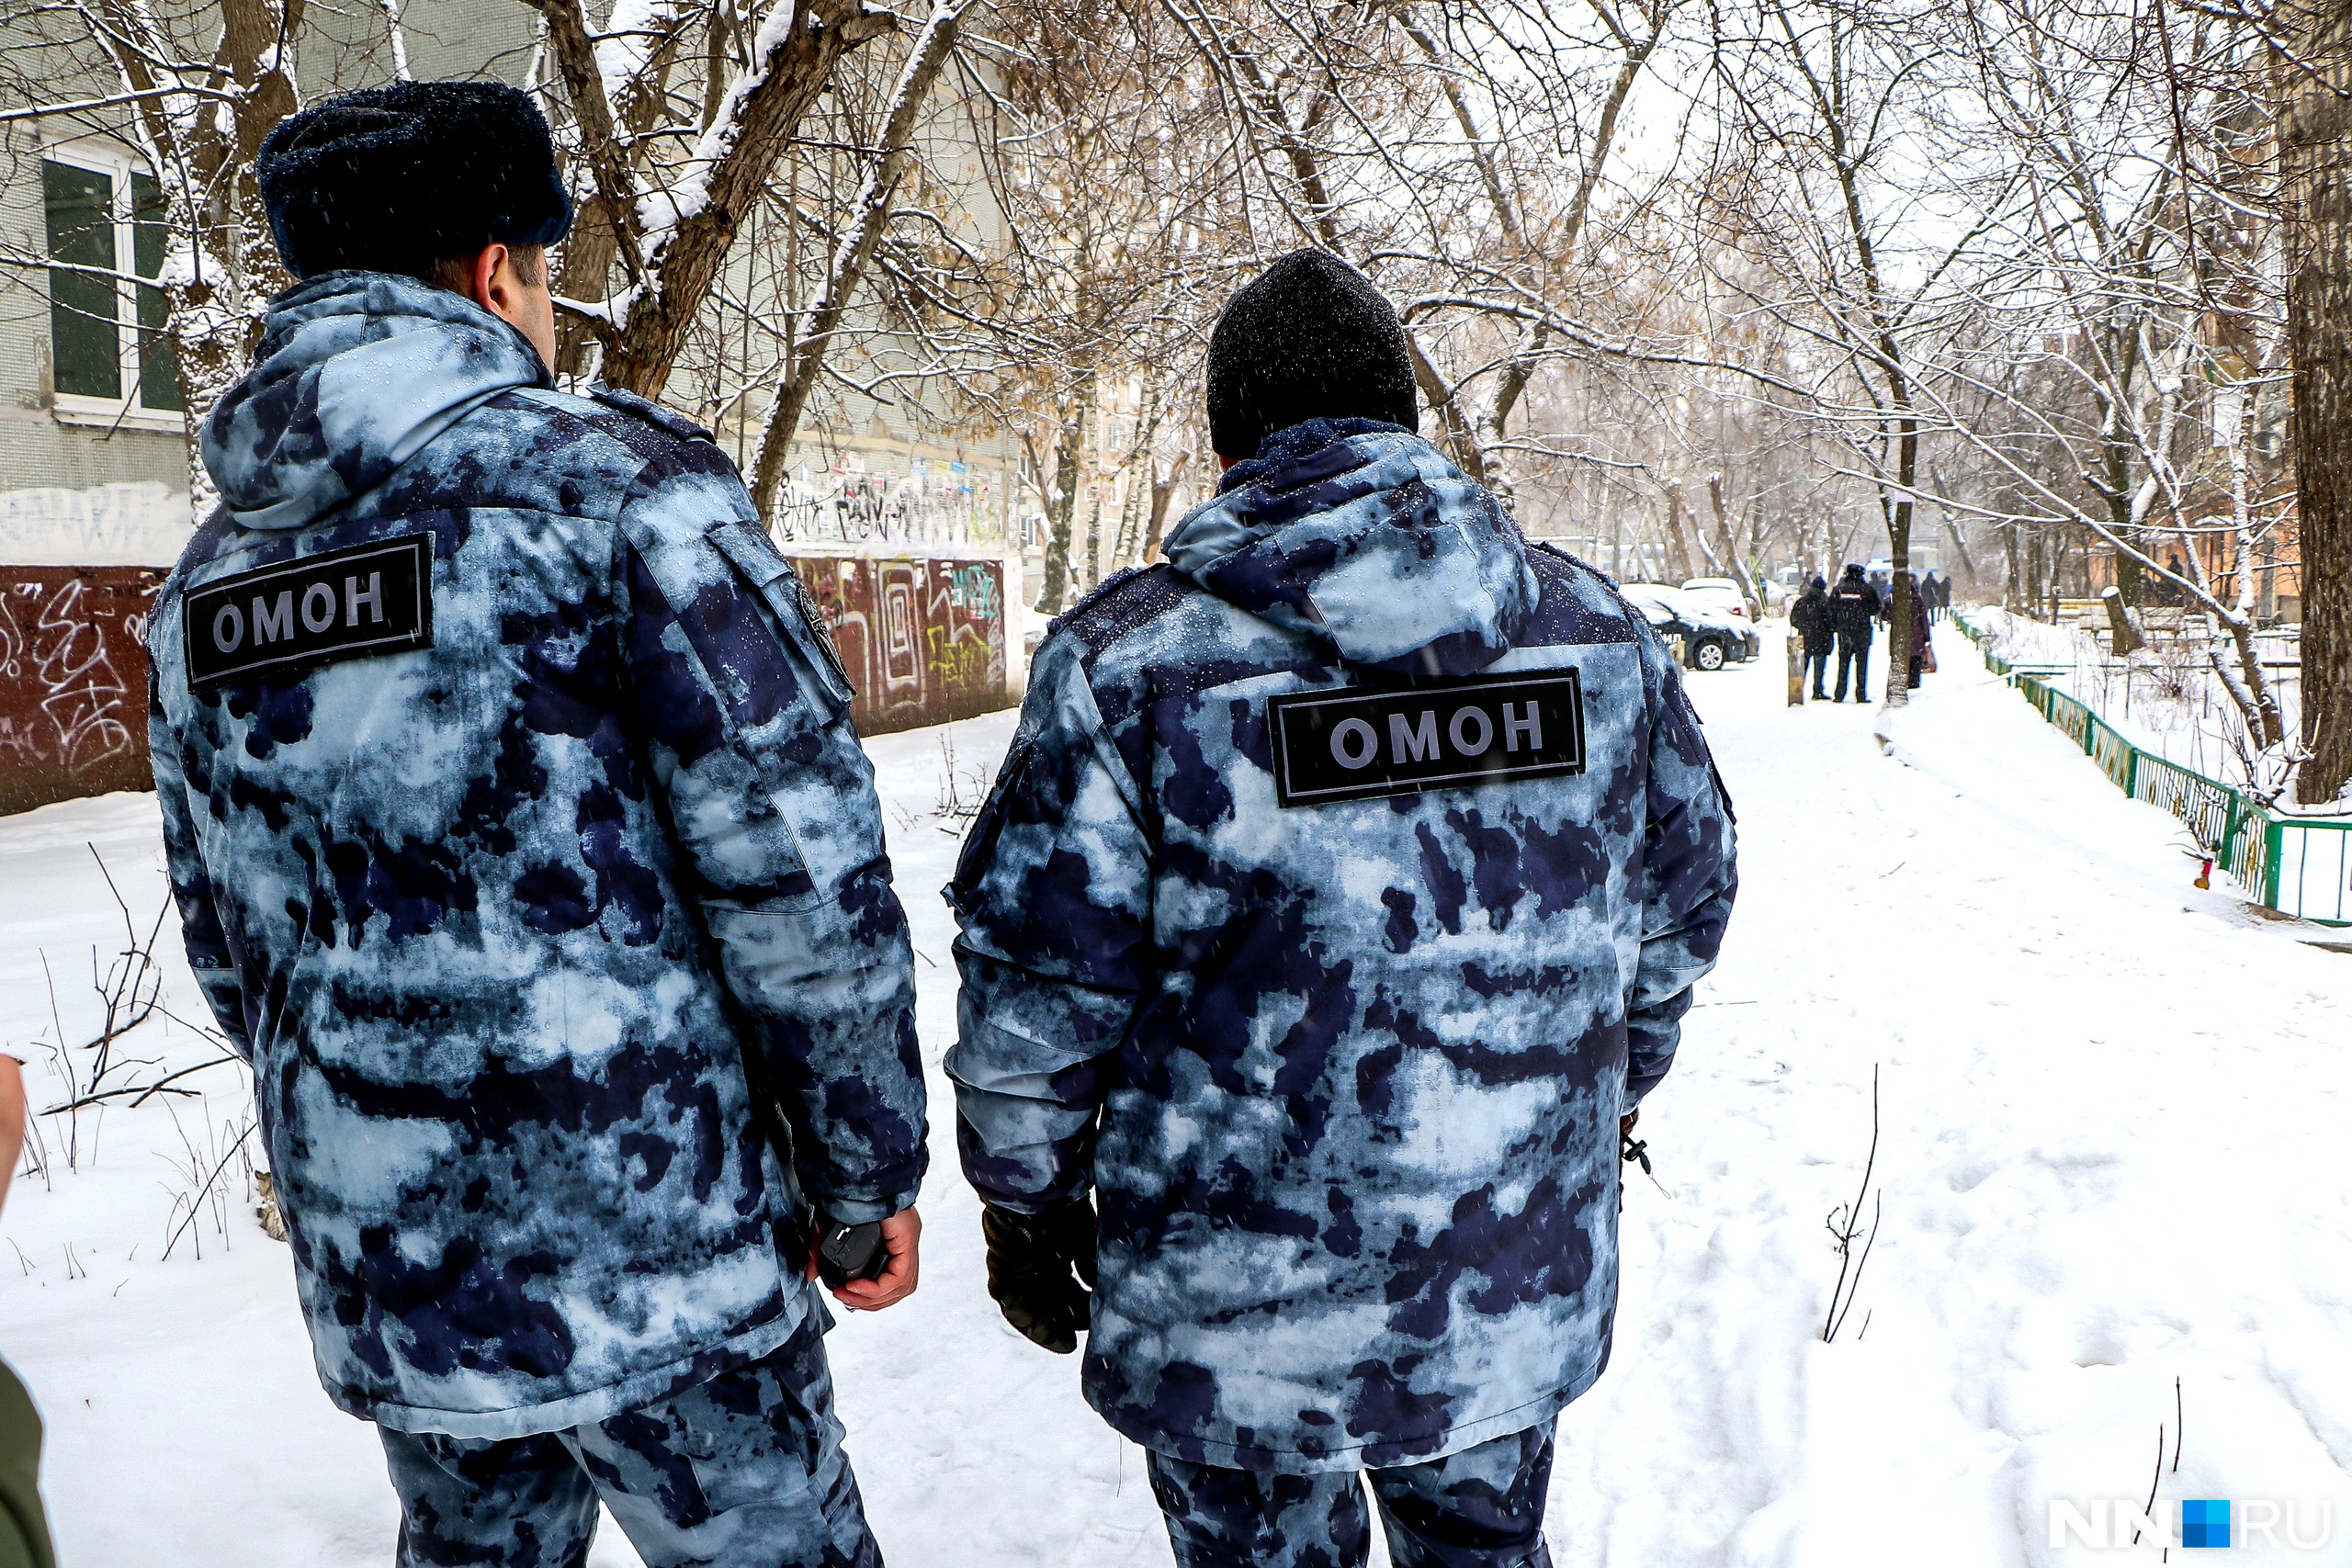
1308 338
394 179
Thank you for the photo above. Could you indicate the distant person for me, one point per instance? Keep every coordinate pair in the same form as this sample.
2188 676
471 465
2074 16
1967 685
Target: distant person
24 1525
1931 593
1810 618
1853 612
1920 641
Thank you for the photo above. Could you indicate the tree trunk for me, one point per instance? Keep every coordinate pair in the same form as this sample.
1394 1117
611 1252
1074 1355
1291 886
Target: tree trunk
1898 540
1090 562
2316 155
1678 547
870 215
1127 541
1161 491
1733 562
2122 635
1960 548
1898 613
672 264
1068 453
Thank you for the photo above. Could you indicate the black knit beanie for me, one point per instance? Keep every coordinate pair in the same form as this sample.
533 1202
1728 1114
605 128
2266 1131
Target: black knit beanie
394 179
1309 338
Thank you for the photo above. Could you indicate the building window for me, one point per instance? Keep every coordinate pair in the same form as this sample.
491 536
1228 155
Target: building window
113 361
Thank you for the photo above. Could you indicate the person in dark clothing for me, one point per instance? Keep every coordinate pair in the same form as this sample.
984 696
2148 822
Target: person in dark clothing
1339 898
597 1001
1809 618
1854 608
1919 630
1930 594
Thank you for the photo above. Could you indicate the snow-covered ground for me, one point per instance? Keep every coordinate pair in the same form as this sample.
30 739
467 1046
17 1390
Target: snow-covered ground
2167 699
2110 1156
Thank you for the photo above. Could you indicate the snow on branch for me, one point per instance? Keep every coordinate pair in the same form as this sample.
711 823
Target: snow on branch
84 106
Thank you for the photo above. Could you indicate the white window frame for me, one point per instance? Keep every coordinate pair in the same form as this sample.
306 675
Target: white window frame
125 413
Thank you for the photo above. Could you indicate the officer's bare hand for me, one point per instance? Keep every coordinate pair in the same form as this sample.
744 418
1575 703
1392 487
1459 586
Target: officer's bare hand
12 1118
901 1233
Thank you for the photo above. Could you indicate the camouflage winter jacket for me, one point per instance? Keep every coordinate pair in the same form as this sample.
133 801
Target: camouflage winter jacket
1347 879
524 846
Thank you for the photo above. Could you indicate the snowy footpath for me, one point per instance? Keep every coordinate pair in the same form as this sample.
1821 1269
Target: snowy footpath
2112 1190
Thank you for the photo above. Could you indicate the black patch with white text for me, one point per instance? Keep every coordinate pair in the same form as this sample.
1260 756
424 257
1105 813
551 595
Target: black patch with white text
1360 743
353 604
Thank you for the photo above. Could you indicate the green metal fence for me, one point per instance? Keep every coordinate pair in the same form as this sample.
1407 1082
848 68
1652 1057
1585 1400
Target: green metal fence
2299 866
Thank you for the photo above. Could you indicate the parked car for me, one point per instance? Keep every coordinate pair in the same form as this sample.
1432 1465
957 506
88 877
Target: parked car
1721 594
1710 641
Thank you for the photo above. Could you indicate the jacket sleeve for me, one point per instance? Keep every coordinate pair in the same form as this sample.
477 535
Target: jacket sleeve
778 835
1053 895
201 931
1689 874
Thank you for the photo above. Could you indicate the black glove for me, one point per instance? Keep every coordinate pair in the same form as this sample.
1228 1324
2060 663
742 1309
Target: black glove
1041 1268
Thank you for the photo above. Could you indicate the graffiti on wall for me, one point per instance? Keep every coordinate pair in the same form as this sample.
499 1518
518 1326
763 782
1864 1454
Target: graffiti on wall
924 638
73 682
936 505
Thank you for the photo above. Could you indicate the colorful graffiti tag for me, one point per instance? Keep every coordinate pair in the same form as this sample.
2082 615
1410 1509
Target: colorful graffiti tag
924 638
73 682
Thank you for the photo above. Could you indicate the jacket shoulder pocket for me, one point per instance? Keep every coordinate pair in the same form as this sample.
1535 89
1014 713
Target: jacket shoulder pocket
980 844
755 558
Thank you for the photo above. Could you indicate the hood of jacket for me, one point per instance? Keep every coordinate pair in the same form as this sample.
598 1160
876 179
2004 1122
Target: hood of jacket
1363 537
357 371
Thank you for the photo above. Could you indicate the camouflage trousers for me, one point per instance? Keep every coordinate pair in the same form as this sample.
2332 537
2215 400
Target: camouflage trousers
1480 1508
745 1471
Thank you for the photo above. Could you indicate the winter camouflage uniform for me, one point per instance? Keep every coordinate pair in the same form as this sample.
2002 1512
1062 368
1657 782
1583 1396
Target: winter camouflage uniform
1345 1076
746 1469
531 918
1475 1507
